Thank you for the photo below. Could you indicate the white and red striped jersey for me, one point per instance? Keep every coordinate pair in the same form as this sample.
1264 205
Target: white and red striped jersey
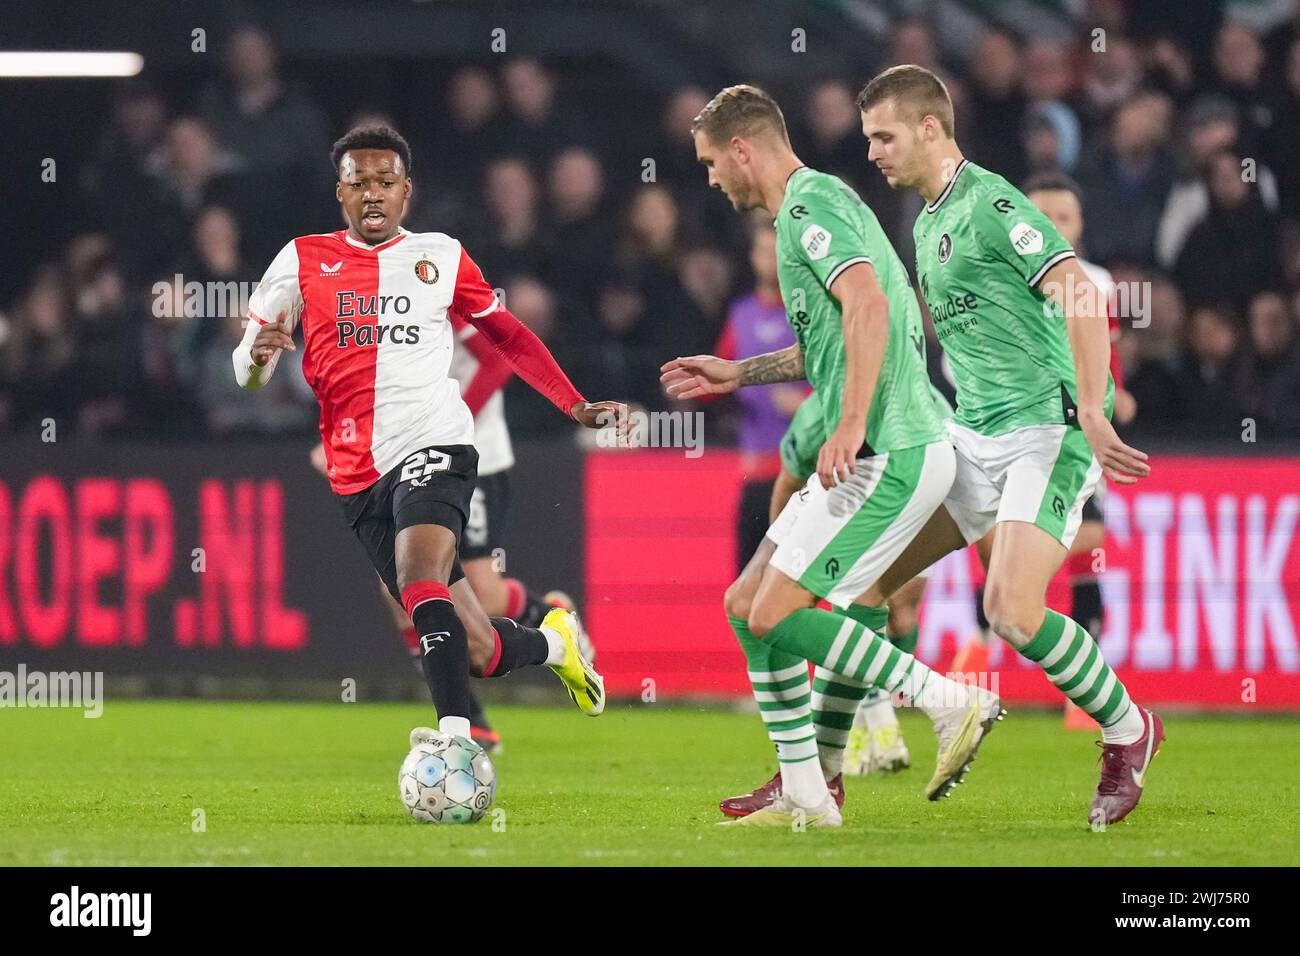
377 327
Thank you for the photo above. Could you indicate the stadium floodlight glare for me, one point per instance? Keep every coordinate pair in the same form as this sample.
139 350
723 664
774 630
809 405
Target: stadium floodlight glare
49 63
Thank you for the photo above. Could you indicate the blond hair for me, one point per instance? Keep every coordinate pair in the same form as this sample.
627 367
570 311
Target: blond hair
741 110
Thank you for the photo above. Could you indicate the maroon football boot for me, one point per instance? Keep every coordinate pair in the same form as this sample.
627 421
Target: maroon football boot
747 803
1123 772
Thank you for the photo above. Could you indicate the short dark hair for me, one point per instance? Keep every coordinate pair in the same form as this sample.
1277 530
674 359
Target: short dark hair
740 111
371 137
1052 182
916 92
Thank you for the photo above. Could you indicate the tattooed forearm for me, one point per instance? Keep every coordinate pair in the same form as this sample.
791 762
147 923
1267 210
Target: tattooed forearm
783 366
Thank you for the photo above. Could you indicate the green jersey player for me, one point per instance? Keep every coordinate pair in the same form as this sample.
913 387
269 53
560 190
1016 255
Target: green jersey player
1027 337
884 467
874 737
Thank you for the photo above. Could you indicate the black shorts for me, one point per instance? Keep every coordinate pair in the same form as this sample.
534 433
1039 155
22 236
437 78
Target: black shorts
432 486
489 511
752 519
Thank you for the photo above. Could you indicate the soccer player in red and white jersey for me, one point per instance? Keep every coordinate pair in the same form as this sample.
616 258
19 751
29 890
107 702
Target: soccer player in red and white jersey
482 373
374 302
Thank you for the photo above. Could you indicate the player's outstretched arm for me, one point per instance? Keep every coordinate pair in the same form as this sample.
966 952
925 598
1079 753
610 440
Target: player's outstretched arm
1088 328
696 376
534 363
476 302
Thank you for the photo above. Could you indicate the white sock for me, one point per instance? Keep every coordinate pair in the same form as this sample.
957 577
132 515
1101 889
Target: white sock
860 715
1128 729
878 712
554 647
931 691
456 726
803 783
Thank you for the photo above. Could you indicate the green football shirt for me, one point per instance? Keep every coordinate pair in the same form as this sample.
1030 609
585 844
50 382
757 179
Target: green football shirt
982 249
823 228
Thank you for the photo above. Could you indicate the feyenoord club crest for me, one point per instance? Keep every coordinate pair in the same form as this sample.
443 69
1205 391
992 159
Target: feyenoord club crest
945 247
426 271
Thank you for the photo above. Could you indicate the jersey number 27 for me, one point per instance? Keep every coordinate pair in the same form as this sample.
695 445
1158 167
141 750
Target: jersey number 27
424 463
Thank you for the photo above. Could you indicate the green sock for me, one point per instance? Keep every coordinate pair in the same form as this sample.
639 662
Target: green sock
781 688
906 642
853 650
835 699
1072 661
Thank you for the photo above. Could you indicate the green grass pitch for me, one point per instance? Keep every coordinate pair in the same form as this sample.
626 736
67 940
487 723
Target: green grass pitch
316 784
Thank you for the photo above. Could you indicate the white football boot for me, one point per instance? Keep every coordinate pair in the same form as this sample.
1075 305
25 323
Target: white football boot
961 729
782 814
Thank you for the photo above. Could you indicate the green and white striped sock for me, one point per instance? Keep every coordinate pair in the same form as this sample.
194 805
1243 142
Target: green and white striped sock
835 699
1072 661
907 641
853 650
783 693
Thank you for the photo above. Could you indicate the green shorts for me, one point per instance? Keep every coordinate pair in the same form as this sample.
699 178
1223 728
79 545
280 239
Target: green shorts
1039 474
803 439
838 543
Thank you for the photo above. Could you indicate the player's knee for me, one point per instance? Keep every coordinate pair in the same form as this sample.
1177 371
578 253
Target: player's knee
1012 619
489 587
902 618
479 659
406 576
738 599
763 619
424 553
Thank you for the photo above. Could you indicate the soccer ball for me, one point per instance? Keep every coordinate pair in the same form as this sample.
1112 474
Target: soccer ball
447 780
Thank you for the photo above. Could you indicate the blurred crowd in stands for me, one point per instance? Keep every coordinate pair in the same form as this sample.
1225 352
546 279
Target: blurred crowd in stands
1189 165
